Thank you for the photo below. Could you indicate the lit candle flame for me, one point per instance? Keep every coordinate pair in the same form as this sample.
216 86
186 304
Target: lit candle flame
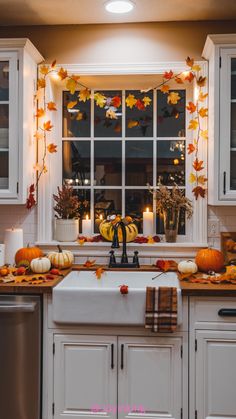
87 217
101 217
147 209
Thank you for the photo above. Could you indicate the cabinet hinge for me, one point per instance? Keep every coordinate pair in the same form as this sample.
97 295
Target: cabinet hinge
195 345
53 409
220 62
195 414
17 187
53 348
18 65
181 351
181 413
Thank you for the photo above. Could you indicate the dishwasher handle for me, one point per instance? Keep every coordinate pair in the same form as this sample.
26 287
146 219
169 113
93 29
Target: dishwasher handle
229 312
17 308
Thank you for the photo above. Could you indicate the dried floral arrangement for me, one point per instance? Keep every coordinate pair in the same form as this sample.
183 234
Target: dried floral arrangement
174 198
67 205
111 105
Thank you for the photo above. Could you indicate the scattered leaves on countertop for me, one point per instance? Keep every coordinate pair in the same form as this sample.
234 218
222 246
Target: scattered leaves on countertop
89 263
99 272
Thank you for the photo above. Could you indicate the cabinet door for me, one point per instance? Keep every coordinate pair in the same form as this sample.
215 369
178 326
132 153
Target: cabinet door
149 377
8 125
227 175
85 376
216 374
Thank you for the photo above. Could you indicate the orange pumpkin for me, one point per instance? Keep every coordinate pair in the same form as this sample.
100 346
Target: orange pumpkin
209 260
26 254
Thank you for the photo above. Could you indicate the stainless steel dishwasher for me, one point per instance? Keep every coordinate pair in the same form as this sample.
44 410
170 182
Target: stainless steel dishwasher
20 356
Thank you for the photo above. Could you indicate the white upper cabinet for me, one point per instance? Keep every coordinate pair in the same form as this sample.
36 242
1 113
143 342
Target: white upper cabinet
18 84
220 50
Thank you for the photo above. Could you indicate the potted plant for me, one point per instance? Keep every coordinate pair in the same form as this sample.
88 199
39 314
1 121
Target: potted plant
67 214
169 202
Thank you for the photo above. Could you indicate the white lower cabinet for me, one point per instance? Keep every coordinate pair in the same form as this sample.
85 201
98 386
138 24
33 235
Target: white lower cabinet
117 377
216 374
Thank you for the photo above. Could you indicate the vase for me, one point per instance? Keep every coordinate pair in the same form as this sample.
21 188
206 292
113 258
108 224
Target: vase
171 224
66 230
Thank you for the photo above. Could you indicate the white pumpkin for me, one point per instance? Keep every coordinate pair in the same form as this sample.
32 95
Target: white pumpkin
40 265
63 259
187 267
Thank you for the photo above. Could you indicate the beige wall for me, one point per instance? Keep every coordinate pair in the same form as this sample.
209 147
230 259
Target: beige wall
151 42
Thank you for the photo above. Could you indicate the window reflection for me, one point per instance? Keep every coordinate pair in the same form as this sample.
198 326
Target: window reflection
76 121
138 163
104 126
4 80
107 202
136 201
139 115
170 118
107 163
76 162
171 162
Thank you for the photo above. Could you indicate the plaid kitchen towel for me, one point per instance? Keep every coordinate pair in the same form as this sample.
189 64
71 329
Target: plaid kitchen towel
161 309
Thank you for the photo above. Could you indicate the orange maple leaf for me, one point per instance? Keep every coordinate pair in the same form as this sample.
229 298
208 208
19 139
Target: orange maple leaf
52 148
201 81
202 179
52 106
40 112
198 165
44 69
202 97
191 107
163 265
199 191
99 272
203 112
89 263
84 95
140 105
38 135
132 123
190 62
178 80
168 75
189 76
62 73
47 126
71 104
41 83
116 101
191 148
165 88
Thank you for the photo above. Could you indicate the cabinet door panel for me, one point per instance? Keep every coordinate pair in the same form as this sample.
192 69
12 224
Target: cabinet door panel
85 382
216 374
150 383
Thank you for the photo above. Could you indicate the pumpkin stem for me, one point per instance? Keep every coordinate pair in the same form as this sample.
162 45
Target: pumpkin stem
59 248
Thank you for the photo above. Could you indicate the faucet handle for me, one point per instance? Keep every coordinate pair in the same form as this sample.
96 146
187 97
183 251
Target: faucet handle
136 259
112 258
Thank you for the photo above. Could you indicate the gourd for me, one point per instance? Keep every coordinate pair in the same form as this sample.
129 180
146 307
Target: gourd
62 259
26 254
187 267
209 260
40 265
107 231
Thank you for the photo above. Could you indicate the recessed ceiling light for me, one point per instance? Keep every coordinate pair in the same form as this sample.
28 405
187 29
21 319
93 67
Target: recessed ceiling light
119 6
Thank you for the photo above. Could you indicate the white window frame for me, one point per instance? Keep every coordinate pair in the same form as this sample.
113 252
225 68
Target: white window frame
50 181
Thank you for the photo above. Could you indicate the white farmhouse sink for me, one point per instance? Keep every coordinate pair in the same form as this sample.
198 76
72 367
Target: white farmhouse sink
83 299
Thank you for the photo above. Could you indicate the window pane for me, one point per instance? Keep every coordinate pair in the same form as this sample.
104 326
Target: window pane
170 118
76 121
233 170
138 163
233 125
76 162
139 118
107 202
84 196
4 126
136 202
171 162
105 126
4 80
107 163
4 170
233 78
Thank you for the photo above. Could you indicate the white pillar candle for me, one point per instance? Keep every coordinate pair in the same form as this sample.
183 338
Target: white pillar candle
147 223
13 240
86 226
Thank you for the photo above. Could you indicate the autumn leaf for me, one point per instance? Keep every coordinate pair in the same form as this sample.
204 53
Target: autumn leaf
100 99
198 165
199 191
192 178
37 281
132 123
71 85
41 83
178 80
203 112
168 75
52 106
47 126
130 101
202 180
40 112
71 104
201 81
150 240
163 265
53 64
62 73
196 67
202 96
193 124
84 95
165 88
190 62
79 116
204 134
99 272
116 101
191 148
38 135
173 98
45 169
75 77
89 263
52 148
111 114
44 69
81 242
117 127
189 77
140 105
191 107
147 100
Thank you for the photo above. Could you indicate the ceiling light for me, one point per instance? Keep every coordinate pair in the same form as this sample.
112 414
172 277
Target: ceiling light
119 6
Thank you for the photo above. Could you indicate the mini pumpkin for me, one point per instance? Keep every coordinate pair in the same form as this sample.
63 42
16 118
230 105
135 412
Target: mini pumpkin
27 254
107 230
210 260
63 259
187 267
40 265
